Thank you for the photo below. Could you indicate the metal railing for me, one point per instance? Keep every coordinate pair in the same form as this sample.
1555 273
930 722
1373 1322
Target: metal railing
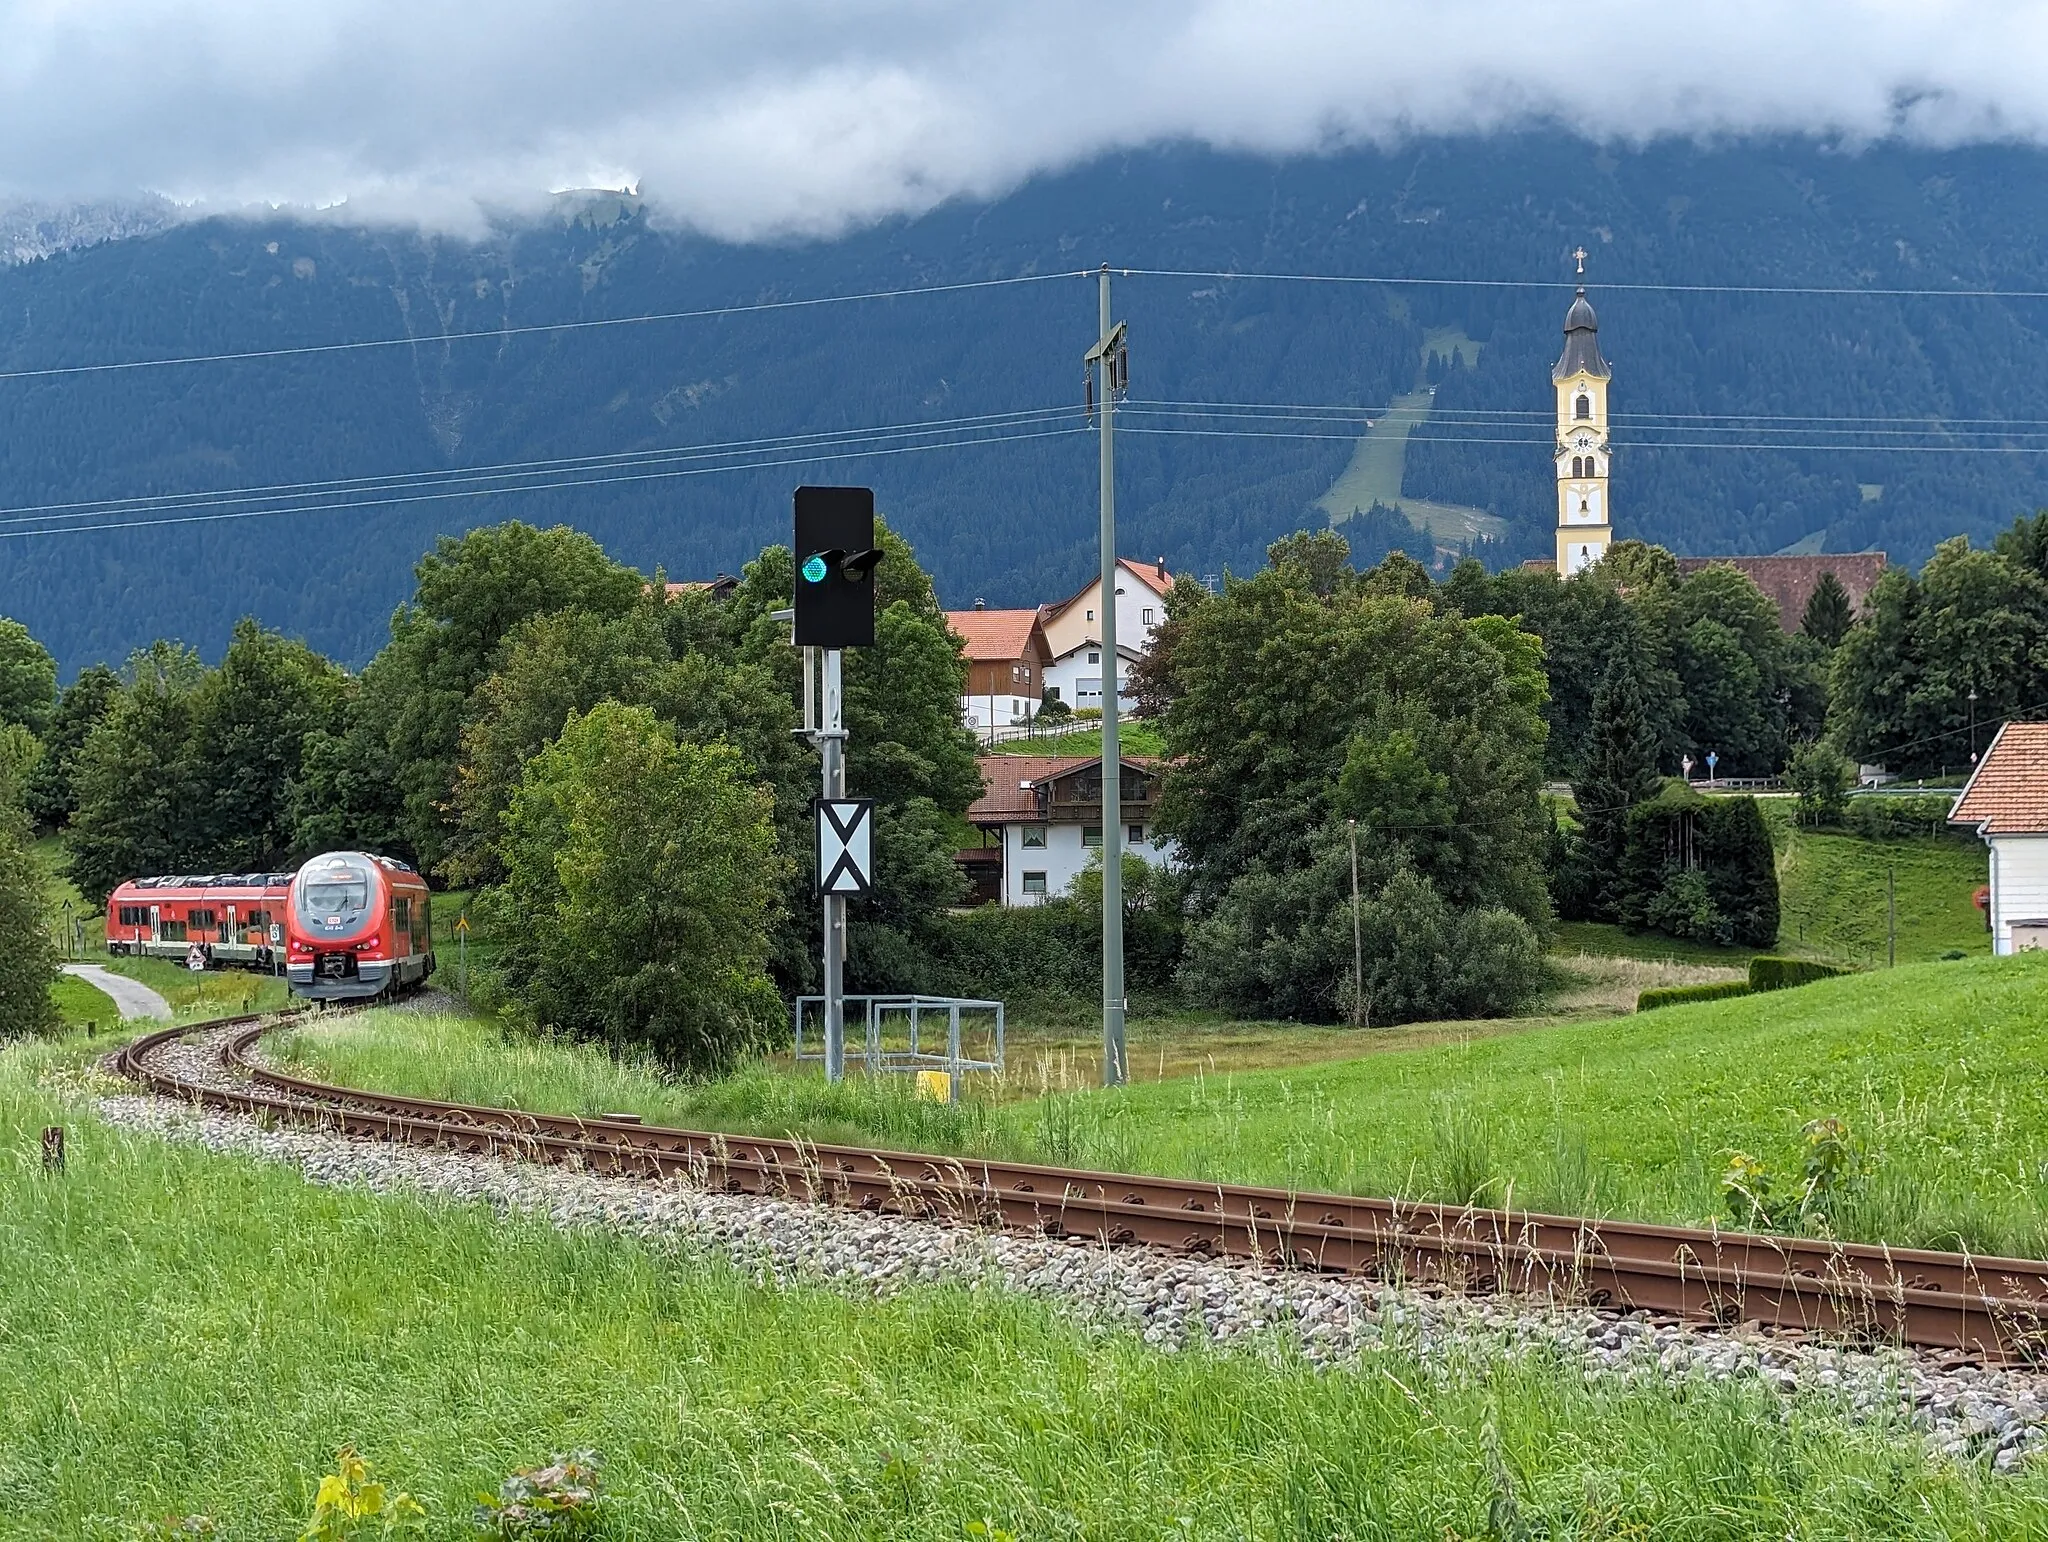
896 1029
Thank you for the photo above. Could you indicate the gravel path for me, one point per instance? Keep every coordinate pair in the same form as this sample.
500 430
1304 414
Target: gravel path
1996 1416
132 999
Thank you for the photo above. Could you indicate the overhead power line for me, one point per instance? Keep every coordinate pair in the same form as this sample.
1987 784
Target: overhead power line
535 329
144 519
393 481
1824 290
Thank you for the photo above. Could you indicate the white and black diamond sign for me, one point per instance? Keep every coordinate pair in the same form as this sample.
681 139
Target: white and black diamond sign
846 845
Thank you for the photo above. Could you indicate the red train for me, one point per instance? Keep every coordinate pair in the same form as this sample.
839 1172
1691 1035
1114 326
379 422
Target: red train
347 925
232 918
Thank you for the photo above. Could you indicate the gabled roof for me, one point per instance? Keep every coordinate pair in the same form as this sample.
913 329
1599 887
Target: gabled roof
1153 575
2008 792
1790 581
994 636
1011 782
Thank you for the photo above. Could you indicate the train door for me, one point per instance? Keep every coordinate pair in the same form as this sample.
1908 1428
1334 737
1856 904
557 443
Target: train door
156 923
227 927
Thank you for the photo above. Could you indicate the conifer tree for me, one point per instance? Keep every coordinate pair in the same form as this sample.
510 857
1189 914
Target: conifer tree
1828 615
1620 768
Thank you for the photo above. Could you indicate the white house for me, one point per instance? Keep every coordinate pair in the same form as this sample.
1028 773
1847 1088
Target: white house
2006 801
1043 813
1074 635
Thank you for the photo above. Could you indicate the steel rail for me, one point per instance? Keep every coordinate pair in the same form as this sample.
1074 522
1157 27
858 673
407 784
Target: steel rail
1994 1308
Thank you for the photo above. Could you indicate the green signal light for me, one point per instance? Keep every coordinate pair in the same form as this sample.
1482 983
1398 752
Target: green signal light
814 568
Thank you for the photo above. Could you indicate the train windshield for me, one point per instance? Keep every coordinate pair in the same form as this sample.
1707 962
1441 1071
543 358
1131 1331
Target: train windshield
333 892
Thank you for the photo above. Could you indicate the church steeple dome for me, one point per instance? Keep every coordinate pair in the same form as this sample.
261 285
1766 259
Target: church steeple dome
1581 343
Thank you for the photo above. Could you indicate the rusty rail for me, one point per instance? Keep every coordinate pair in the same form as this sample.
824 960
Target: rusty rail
1995 1308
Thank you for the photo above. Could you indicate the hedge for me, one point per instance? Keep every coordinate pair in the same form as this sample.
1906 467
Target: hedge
1887 816
1673 995
1768 973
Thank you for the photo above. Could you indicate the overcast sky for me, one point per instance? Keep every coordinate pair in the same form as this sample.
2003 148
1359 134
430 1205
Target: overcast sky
751 118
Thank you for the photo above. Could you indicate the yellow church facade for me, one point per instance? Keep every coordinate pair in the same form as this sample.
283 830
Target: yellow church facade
1585 524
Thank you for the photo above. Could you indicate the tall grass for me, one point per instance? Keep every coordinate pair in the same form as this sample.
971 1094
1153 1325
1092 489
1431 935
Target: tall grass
192 1334
1940 1072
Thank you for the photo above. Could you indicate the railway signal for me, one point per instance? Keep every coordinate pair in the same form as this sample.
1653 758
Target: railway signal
834 609
836 557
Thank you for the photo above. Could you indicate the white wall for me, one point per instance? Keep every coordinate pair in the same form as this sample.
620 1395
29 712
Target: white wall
2019 884
974 710
1068 673
1063 858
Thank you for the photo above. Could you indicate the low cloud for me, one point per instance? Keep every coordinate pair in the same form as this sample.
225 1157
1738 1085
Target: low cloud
755 119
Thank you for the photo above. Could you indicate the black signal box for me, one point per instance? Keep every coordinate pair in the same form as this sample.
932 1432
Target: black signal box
835 567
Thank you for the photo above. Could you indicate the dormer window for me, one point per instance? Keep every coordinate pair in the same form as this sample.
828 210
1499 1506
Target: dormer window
1584 409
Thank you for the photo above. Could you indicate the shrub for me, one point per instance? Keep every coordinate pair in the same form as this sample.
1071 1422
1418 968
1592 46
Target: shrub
1675 995
1769 973
1714 857
1887 816
559 1500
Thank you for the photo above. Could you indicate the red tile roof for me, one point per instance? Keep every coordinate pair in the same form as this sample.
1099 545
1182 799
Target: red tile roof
1010 778
2008 792
1790 581
994 636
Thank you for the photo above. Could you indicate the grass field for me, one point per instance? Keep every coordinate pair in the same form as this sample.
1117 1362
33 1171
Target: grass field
189 1334
1940 1072
1832 890
79 1003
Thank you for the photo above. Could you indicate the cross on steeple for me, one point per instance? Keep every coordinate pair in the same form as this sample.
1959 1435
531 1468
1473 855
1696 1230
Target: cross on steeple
1579 256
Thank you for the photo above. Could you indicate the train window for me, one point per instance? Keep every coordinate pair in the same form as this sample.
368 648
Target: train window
199 918
333 893
257 918
173 931
132 915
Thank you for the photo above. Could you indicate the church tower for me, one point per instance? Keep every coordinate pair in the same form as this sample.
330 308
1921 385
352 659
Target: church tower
1584 521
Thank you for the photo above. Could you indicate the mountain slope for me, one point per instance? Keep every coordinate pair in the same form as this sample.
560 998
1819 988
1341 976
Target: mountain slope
1015 522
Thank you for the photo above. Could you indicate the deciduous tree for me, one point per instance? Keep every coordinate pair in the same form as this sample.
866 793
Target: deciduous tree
641 873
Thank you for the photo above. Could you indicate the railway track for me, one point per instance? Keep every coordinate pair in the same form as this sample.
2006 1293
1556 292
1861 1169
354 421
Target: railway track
1995 1309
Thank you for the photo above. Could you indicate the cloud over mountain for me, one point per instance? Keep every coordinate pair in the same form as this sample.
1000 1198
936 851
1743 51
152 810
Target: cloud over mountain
752 118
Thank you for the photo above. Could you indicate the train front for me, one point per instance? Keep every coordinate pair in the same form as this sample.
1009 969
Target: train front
338 948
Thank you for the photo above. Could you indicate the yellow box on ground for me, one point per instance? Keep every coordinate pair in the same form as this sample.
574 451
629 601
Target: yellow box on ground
935 1086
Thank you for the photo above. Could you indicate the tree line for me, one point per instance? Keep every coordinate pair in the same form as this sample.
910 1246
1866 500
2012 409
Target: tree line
610 762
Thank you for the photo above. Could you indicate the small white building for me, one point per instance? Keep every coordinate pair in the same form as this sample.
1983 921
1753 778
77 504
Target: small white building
2006 801
1074 634
1043 814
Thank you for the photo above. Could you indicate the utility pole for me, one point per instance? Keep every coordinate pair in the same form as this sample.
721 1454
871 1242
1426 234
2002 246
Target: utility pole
1111 364
1357 938
1973 728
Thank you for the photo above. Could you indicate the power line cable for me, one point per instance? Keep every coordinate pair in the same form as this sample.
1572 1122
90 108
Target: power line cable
1570 283
535 329
185 518
220 497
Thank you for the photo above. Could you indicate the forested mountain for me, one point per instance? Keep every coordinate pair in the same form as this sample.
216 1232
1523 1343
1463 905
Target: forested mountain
1014 522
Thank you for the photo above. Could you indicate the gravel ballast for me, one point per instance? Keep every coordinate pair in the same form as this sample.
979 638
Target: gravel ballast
1995 1415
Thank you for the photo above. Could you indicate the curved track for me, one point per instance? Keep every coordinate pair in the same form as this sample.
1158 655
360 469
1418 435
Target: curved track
1996 1308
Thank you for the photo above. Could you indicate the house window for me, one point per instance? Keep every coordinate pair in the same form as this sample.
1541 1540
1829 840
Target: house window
1034 835
1091 835
1137 835
1034 883
1147 615
1091 615
1095 658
